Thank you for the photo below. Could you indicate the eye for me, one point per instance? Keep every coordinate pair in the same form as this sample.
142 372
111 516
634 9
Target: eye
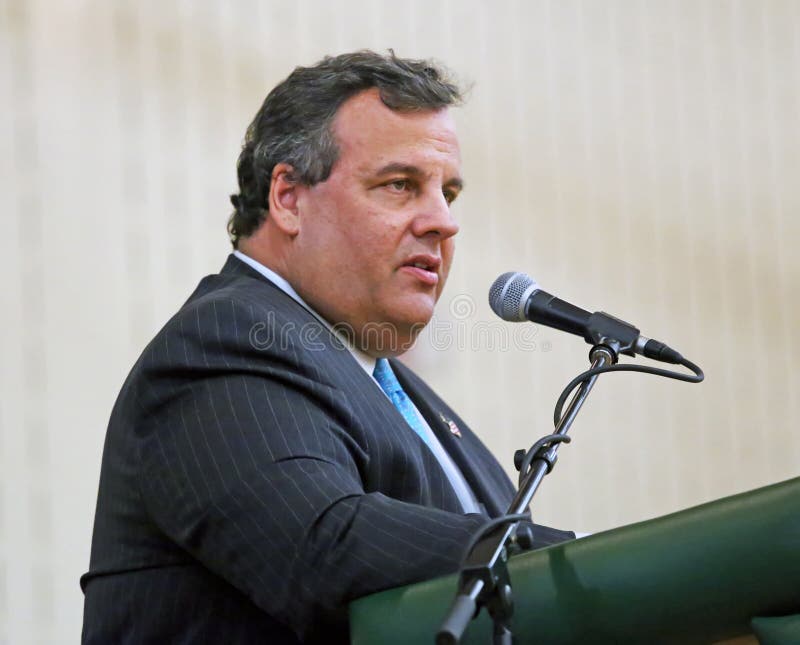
400 185
449 195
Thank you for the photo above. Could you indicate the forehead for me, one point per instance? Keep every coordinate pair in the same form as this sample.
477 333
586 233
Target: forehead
367 132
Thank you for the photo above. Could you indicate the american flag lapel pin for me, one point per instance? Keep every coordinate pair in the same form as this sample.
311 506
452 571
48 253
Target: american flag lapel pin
454 429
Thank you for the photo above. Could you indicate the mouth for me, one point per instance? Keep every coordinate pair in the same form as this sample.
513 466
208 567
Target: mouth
424 268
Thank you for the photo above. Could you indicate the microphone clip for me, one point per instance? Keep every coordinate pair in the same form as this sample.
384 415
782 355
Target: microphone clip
617 335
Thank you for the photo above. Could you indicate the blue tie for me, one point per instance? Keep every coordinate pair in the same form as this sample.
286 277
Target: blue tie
388 381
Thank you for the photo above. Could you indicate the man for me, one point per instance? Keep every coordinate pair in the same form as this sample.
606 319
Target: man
265 464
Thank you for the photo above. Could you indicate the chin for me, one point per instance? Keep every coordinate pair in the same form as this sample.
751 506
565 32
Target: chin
395 335
416 311
413 323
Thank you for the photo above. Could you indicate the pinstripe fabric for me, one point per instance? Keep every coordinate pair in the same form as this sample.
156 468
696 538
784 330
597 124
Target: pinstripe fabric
254 480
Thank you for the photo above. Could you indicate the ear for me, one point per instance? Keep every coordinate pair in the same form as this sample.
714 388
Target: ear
283 200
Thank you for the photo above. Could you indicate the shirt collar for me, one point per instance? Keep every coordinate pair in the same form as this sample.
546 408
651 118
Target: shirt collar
366 361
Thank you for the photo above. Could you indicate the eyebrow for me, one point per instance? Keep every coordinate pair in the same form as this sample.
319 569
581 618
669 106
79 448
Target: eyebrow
408 169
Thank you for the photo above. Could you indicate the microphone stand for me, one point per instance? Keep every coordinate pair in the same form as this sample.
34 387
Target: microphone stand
484 579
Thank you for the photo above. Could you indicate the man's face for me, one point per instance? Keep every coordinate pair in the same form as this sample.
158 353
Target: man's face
376 238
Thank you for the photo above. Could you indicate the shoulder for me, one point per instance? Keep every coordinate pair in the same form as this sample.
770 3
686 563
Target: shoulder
241 306
237 319
239 331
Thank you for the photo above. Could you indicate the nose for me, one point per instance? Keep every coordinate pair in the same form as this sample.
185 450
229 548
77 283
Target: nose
434 217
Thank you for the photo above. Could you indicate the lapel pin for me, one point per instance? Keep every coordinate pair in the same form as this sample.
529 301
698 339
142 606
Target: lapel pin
454 429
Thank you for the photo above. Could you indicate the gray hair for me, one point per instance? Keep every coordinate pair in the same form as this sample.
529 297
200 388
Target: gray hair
294 124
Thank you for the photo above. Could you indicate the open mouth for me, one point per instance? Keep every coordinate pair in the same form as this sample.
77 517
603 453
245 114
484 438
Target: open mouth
424 268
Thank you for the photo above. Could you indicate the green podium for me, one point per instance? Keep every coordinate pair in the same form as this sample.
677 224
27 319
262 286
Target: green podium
702 575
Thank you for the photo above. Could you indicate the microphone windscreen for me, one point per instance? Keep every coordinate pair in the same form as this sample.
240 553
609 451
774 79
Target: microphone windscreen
509 294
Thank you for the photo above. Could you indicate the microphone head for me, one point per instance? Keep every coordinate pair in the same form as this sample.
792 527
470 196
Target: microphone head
508 295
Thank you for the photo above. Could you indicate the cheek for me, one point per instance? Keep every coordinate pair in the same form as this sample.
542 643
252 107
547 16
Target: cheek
377 238
448 249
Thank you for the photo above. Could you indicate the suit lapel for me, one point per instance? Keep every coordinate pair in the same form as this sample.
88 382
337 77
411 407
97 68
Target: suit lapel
467 452
459 441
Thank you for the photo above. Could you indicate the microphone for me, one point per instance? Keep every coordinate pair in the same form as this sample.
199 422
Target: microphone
516 297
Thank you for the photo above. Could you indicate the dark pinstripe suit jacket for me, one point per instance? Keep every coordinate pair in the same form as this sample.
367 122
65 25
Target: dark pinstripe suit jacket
255 480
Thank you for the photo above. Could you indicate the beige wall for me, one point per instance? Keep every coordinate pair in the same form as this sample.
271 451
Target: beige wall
637 157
